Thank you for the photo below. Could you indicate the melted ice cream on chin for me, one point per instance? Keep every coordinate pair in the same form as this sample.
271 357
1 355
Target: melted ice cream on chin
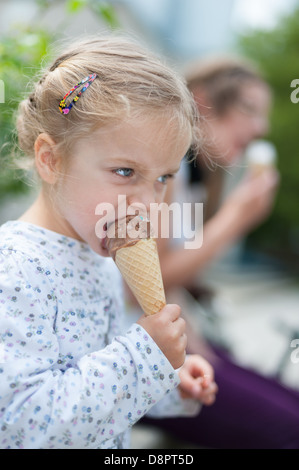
127 232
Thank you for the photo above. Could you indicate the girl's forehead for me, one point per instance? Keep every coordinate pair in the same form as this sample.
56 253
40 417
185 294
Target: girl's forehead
144 131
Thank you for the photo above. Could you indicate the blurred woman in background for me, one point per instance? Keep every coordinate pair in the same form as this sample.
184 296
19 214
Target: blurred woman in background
251 411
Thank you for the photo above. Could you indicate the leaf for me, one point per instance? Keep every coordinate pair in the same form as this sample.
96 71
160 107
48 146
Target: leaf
106 12
74 6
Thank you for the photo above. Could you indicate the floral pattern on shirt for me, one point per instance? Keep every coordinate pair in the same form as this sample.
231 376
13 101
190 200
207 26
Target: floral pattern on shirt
68 378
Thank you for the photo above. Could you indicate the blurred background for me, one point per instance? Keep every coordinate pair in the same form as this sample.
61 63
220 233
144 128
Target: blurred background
263 301
266 31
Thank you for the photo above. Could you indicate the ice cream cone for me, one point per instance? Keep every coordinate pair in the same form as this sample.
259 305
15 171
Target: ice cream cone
260 156
140 268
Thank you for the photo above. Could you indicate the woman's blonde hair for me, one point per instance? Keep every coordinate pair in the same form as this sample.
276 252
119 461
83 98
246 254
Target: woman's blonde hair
130 81
221 79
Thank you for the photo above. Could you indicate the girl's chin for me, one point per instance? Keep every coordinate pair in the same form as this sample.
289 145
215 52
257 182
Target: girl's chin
104 253
101 249
98 247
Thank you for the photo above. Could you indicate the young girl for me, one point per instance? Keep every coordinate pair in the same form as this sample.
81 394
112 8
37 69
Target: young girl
106 119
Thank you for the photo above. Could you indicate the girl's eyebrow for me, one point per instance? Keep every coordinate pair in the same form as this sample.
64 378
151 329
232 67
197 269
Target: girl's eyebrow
124 162
173 172
127 163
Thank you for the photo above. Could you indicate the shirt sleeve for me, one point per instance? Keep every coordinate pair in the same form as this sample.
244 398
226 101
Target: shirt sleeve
83 406
172 406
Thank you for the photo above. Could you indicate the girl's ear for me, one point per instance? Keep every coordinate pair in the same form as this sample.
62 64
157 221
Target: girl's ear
46 160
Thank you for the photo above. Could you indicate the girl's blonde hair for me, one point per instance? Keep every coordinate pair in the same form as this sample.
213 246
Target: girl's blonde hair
130 81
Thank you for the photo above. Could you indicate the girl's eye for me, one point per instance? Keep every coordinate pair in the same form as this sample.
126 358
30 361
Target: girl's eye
163 179
124 172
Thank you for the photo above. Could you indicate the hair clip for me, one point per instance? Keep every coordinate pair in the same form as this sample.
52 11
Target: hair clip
86 82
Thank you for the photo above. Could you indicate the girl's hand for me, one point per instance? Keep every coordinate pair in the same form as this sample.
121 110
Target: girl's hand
197 380
167 329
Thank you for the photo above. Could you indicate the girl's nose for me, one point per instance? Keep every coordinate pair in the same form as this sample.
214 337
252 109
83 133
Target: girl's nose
142 198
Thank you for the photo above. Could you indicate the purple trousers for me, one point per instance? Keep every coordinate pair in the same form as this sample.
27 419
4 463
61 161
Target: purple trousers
250 412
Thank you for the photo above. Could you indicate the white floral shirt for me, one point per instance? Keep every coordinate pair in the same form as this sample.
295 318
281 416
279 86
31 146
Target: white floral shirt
68 378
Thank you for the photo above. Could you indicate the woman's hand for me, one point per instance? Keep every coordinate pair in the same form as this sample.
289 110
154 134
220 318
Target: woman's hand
251 202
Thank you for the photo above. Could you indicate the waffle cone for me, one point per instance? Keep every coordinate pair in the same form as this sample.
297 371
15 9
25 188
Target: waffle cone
140 267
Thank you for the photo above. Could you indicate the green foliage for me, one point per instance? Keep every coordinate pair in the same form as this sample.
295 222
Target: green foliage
22 52
276 52
101 8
